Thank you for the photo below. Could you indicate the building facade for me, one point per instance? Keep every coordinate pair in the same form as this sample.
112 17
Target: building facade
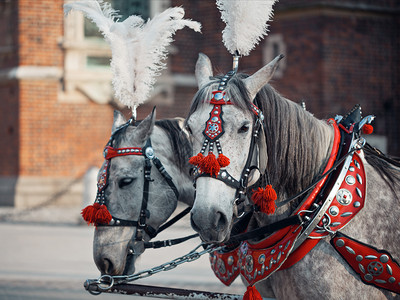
56 99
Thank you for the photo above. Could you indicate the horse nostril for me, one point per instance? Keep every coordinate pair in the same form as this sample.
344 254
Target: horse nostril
220 221
193 224
108 267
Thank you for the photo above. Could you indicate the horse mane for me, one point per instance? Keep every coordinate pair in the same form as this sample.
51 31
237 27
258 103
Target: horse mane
294 143
388 167
180 143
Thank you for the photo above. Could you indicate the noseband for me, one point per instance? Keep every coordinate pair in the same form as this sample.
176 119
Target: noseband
148 153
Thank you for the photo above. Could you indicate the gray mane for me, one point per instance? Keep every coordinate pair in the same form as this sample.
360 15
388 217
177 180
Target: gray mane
293 136
179 140
180 143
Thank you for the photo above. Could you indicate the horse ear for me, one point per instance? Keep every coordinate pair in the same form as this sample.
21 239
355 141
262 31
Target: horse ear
119 120
255 82
203 70
143 131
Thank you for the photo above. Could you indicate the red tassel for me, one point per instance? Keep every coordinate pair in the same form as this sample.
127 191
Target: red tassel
103 216
223 161
210 165
252 293
367 129
196 160
89 213
265 199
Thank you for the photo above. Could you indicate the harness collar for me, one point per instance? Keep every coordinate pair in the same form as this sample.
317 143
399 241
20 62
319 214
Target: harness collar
342 200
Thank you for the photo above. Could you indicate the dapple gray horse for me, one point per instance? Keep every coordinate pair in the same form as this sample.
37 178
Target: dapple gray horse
115 248
293 151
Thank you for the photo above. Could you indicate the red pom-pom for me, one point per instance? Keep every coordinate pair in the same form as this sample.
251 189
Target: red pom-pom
210 165
252 294
367 129
265 199
103 216
223 160
195 160
89 213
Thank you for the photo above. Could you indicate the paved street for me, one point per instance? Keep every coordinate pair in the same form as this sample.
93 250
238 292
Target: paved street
47 254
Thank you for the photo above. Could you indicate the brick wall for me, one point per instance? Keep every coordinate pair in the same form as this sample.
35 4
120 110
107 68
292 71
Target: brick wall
338 53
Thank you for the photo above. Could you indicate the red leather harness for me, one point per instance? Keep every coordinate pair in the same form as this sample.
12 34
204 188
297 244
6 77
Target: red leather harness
342 200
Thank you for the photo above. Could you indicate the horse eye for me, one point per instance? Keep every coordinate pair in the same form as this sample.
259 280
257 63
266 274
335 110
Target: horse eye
125 182
189 129
244 128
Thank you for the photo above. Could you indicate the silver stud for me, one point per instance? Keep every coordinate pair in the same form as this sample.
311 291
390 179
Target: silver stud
358 192
351 169
357 164
359 178
357 204
340 243
368 277
350 250
350 180
346 214
389 269
392 279
361 267
334 211
384 258
359 258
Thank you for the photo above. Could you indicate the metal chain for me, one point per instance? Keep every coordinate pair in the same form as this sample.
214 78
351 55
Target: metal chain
106 282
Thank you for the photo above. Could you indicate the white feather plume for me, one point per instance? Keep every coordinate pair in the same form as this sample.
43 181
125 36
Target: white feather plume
138 48
246 23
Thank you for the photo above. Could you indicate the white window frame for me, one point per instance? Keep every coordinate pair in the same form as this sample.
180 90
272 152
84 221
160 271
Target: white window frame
81 83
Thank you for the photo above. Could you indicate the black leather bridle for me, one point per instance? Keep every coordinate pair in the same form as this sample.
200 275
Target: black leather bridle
150 159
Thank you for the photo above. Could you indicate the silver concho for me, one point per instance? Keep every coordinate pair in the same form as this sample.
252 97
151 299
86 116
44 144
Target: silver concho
350 180
149 152
261 259
344 197
231 260
249 263
375 268
218 96
221 266
213 128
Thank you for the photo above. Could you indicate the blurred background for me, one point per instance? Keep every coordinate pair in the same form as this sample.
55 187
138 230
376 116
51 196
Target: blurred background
56 100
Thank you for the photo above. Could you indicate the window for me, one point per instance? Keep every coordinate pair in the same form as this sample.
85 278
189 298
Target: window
274 46
87 72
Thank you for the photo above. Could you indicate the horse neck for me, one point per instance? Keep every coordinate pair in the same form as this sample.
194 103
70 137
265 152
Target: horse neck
298 146
172 162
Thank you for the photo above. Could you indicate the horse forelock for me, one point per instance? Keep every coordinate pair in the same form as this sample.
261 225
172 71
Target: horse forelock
235 91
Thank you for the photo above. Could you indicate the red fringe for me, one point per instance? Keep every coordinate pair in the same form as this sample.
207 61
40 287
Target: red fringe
367 129
252 293
89 213
196 160
265 199
223 161
210 165
103 216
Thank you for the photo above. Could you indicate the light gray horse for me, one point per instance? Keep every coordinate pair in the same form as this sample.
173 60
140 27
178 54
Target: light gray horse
293 151
115 248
